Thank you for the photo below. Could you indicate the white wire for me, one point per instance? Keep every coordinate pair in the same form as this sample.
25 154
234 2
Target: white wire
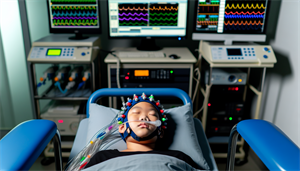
197 85
205 98
118 75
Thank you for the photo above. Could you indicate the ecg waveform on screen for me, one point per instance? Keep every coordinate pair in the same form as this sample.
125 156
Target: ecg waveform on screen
133 14
244 15
74 13
163 14
73 1
208 12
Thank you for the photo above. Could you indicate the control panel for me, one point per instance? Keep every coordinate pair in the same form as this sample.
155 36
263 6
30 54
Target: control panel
147 75
41 53
245 53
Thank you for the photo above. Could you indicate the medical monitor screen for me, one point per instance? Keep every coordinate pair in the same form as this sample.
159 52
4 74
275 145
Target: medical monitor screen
147 18
231 16
74 14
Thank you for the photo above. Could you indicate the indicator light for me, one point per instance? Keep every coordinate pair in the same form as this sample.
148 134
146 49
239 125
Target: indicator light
236 88
208 104
126 78
60 121
171 71
216 129
230 118
240 80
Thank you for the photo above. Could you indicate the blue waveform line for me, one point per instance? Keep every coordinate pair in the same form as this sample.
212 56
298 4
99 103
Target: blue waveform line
74 14
243 16
242 27
75 18
133 19
134 14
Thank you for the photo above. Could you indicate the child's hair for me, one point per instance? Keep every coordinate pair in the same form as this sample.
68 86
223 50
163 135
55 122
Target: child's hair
109 135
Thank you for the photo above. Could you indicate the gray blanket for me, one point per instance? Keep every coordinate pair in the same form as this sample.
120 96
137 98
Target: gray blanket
142 162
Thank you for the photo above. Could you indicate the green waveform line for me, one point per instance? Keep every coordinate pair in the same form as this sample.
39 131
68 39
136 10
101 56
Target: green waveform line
73 1
163 19
132 23
74 7
159 24
163 14
75 22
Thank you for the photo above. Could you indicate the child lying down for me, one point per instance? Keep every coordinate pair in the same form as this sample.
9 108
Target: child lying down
141 124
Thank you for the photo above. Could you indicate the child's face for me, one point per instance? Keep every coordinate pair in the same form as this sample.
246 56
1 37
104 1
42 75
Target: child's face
142 111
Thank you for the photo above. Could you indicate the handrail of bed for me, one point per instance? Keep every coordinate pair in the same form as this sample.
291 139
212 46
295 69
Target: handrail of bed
274 148
104 92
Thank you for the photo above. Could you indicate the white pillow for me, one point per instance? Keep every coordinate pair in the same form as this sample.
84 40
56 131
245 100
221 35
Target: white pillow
180 133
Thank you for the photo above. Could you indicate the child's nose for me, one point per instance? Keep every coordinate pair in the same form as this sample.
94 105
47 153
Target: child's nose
144 117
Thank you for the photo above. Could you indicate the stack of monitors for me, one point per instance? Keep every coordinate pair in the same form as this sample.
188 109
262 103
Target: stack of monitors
74 14
231 16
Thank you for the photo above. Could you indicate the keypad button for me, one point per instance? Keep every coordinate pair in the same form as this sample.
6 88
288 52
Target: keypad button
242 57
253 54
228 58
245 51
265 56
239 58
248 48
244 48
67 54
249 54
71 54
249 51
245 54
252 48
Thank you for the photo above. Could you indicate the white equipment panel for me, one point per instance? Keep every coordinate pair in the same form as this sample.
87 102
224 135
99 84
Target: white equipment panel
58 48
254 54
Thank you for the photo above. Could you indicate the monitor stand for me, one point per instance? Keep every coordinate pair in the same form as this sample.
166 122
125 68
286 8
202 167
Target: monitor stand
148 45
78 36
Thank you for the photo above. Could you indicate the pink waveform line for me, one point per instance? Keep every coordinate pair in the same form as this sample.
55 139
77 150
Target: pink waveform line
239 13
133 14
133 19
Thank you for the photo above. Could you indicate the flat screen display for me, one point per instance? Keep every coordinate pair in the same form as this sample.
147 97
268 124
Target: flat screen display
231 16
141 73
74 14
234 52
53 52
147 18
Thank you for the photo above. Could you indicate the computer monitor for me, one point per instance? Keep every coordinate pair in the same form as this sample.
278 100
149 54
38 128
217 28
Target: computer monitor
231 20
147 19
74 16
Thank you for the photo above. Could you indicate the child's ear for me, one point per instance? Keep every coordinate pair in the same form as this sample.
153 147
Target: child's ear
122 128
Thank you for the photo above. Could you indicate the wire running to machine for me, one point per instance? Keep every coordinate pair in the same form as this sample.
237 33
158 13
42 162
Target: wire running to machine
118 69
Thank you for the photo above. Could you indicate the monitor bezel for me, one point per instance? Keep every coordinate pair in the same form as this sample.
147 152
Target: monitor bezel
75 30
148 37
214 32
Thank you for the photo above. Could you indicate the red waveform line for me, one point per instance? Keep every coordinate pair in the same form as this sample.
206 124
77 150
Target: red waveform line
207 22
239 13
208 7
243 23
131 9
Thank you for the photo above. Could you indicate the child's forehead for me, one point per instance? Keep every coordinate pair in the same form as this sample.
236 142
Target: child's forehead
143 105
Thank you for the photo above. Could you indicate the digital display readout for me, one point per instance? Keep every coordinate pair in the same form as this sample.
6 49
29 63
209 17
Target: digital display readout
141 73
53 52
234 52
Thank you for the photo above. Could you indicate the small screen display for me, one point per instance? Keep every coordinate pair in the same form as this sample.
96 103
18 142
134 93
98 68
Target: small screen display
53 52
141 73
234 52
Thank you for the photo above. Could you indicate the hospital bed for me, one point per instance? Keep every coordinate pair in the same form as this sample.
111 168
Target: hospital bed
22 146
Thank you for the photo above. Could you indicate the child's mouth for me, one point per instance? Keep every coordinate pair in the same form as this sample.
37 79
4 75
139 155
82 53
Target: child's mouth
143 125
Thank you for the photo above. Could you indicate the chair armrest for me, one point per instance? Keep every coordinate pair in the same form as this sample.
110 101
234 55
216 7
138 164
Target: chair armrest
271 145
22 145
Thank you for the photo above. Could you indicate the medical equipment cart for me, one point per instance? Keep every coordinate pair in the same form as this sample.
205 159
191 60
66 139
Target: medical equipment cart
60 52
246 55
151 69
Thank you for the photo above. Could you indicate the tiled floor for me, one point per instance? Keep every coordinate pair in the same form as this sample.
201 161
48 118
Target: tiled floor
253 164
